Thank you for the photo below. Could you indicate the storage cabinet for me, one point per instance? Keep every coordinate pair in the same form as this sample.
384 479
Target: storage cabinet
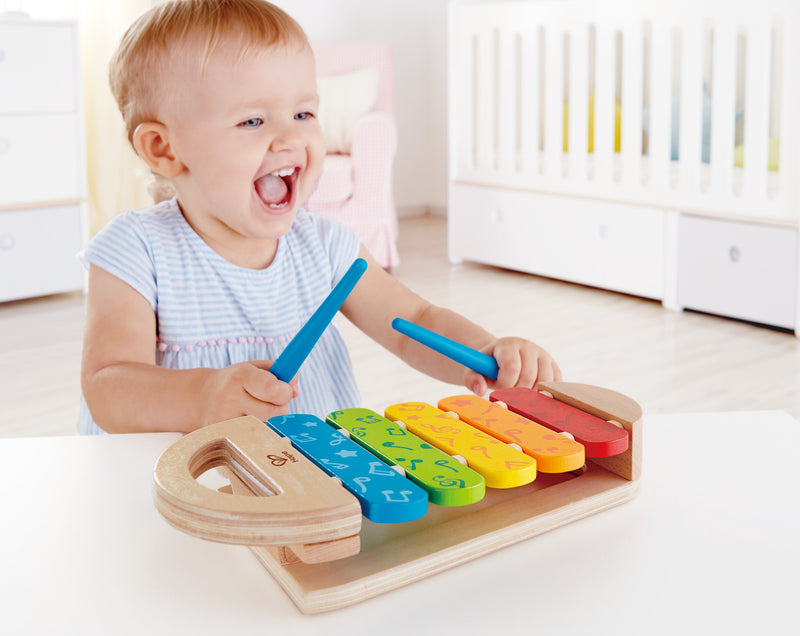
588 242
42 165
742 270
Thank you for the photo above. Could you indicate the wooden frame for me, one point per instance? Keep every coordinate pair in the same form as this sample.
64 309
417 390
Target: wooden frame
394 555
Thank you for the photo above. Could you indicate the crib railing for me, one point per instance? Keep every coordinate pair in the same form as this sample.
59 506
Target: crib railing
670 103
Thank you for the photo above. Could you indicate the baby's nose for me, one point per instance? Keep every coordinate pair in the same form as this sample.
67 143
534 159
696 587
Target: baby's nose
286 137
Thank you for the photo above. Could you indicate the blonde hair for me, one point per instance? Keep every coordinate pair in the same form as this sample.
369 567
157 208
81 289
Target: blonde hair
143 54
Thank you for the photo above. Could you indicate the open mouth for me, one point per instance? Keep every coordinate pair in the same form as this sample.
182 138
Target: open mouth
276 189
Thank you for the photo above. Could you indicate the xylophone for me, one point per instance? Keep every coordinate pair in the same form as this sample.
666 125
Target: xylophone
347 508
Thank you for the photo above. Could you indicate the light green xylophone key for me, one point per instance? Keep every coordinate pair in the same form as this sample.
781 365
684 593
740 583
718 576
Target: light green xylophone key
445 479
501 465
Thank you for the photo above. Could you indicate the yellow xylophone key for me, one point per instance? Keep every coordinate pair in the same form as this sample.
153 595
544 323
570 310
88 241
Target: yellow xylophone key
554 452
501 465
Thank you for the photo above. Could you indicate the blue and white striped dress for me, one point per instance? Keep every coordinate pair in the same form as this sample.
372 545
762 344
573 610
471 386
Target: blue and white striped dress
211 313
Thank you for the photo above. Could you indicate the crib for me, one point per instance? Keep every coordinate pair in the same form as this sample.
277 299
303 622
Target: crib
648 147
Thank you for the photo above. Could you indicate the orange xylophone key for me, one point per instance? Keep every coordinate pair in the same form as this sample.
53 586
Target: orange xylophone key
554 453
599 437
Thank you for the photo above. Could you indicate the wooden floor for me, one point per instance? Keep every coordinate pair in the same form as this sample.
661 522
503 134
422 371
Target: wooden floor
668 362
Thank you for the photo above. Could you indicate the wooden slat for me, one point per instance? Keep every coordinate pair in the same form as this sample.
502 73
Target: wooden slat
631 98
529 103
691 106
756 111
605 72
578 100
659 150
506 100
554 100
485 103
723 109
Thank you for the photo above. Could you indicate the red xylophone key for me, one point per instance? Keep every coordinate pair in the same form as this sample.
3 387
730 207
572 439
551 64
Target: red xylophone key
599 437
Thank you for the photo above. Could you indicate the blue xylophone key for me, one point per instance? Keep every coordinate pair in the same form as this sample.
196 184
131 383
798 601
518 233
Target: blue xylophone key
384 494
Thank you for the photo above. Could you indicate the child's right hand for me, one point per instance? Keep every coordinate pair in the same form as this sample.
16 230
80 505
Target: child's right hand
246 388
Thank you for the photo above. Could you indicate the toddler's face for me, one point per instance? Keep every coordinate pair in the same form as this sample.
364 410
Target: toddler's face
246 129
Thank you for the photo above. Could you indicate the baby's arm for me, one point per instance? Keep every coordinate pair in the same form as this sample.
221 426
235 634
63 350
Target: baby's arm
126 391
379 298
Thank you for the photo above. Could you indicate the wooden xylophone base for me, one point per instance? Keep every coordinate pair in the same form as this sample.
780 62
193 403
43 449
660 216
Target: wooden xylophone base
395 555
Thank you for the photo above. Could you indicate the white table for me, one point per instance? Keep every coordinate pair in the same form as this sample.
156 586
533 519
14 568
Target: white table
711 544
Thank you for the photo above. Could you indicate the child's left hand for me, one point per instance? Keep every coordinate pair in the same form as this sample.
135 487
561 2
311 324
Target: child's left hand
520 363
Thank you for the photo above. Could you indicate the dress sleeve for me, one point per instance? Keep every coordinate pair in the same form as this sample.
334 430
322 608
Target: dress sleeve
340 242
123 250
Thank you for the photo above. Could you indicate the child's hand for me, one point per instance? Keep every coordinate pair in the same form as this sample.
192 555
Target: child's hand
520 363
246 388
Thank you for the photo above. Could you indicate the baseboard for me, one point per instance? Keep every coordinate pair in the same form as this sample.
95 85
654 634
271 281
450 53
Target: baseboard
406 211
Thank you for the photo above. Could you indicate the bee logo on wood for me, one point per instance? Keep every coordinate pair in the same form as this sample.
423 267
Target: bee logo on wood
280 460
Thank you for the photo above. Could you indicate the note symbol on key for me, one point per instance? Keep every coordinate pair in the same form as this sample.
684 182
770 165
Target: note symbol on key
370 419
449 482
445 464
403 495
379 468
413 462
334 465
362 483
393 445
482 450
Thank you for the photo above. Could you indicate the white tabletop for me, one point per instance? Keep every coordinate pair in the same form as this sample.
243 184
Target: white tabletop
711 544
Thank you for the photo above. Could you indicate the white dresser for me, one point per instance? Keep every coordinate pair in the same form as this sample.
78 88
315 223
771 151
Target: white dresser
42 160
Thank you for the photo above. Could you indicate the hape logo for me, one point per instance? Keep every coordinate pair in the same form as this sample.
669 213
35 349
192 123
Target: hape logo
280 460
277 460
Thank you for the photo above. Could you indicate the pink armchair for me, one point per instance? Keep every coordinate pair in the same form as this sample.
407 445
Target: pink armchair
355 186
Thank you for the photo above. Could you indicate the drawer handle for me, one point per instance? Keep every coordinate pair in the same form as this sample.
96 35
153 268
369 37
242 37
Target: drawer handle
7 242
734 253
5 145
2 55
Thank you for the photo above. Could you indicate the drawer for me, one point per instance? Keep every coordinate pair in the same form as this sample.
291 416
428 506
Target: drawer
605 245
740 270
39 159
38 252
38 67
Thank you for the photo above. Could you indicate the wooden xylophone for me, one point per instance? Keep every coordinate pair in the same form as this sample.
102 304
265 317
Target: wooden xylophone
395 497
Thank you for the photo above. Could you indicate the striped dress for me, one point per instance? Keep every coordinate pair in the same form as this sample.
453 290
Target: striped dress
211 313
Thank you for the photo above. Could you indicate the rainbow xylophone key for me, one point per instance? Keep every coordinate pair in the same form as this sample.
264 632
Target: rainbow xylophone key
554 452
384 494
599 437
501 465
446 480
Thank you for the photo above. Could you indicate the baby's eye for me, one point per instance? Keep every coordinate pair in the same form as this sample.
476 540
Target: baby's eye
303 116
253 122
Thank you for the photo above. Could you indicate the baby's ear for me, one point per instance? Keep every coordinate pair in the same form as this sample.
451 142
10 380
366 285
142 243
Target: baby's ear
151 141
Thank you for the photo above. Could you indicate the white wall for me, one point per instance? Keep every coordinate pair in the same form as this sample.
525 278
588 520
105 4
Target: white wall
418 31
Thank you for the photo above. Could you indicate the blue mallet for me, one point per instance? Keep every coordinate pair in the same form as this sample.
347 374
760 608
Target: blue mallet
288 363
482 363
